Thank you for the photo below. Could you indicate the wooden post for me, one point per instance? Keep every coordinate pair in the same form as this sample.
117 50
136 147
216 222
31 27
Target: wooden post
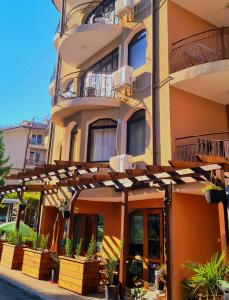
71 219
124 240
39 212
20 196
167 202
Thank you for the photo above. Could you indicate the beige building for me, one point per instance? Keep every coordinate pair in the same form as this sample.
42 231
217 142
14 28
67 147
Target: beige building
26 144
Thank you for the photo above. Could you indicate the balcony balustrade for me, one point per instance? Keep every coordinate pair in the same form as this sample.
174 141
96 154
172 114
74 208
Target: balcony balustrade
200 48
214 144
33 162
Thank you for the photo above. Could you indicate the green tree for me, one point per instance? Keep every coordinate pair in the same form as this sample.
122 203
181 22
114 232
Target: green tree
4 168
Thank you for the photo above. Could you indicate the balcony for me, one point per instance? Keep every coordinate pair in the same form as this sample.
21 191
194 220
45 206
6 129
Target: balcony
88 28
214 144
52 83
83 91
200 64
35 163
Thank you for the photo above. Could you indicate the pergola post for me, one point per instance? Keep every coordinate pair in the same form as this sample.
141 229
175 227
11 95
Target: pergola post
124 240
39 212
20 208
166 220
71 219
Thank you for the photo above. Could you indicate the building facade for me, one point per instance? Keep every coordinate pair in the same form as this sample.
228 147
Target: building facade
26 145
147 80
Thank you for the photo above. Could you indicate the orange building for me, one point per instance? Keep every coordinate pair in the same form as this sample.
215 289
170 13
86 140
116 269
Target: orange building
140 83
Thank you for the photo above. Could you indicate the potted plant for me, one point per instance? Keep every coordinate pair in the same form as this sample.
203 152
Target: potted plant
111 290
37 262
160 278
12 251
206 278
214 194
79 274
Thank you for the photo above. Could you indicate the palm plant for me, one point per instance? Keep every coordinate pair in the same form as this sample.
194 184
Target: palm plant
207 277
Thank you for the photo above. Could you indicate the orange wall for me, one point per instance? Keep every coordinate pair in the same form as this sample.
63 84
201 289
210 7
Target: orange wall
182 23
193 115
195 235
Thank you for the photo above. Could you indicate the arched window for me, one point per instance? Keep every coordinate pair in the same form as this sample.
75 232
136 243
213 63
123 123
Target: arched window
136 133
137 50
102 140
73 143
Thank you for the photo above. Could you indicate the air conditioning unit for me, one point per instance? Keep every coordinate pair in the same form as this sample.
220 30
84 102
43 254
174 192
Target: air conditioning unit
124 8
123 78
121 162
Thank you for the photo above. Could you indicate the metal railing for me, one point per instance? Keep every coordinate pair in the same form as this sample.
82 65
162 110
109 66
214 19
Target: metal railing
90 13
32 162
203 47
215 144
85 84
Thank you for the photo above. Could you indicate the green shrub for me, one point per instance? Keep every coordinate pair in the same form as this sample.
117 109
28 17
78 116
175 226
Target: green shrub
78 247
206 277
91 249
35 241
43 242
68 248
14 238
110 269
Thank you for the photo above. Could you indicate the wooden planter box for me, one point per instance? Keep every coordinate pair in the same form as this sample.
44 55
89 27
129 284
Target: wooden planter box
37 264
1 246
12 256
79 276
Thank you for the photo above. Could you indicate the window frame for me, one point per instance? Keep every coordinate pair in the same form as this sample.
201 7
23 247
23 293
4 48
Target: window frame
134 41
74 133
130 121
90 129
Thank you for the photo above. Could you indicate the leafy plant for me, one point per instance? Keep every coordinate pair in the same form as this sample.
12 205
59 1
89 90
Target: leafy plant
68 248
14 238
43 242
137 293
211 187
91 249
78 247
35 241
206 277
110 269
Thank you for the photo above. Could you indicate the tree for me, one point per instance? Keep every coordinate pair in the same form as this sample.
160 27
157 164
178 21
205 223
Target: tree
4 168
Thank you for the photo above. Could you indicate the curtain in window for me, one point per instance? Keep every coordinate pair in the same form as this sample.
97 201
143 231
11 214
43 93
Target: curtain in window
137 50
103 144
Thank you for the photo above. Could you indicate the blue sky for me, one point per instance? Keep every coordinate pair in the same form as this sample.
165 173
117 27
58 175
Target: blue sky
27 58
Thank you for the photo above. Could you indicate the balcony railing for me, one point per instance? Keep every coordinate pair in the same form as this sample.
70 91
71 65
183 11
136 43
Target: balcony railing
214 144
90 13
36 142
85 84
32 162
204 47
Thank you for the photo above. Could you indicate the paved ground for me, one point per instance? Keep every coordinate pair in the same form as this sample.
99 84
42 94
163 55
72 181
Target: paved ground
9 292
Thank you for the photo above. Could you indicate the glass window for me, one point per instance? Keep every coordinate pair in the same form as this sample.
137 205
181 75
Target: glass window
39 139
73 143
136 133
154 236
99 233
102 140
137 50
136 234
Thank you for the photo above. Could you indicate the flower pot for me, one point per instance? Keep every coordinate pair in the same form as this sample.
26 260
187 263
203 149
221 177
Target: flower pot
78 275
214 196
37 264
12 256
160 285
111 292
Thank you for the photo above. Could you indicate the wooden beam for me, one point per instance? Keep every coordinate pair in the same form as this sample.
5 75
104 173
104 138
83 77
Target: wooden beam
212 159
39 212
124 240
186 164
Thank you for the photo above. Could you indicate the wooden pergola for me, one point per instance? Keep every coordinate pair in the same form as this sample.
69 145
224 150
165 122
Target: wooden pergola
78 177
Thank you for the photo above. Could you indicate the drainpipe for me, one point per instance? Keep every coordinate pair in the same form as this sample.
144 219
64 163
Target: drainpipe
155 80
26 150
57 77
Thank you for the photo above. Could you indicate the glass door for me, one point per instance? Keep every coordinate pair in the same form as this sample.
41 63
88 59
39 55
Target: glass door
145 243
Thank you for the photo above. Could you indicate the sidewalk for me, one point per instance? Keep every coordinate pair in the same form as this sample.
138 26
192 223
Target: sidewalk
43 290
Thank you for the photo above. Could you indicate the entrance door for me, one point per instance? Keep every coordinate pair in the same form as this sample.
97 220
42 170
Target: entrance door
145 243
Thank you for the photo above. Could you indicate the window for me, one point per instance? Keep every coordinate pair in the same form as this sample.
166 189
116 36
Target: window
96 81
36 139
73 143
99 233
136 133
136 234
103 13
137 50
102 140
34 156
